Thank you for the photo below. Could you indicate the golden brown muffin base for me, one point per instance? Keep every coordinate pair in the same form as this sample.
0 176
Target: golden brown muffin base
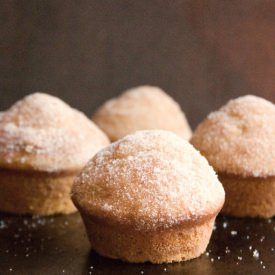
248 197
175 244
41 193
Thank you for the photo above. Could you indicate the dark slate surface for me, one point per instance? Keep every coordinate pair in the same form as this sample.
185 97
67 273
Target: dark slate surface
58 245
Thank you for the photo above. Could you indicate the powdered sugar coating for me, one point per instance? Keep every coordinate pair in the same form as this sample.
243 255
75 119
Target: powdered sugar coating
149 179
239 138
41 132
141 108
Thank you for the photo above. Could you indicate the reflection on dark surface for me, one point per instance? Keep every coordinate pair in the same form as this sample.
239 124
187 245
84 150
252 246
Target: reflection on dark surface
102 265
58 245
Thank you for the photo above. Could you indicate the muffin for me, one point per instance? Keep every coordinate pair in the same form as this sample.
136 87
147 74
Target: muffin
238 141
148 197
141 108
44 144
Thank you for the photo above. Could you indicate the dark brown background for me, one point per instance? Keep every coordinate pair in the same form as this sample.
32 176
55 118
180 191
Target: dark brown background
202 52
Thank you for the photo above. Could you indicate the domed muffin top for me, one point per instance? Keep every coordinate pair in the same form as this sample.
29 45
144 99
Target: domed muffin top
239 138
141 108
148 180
41 132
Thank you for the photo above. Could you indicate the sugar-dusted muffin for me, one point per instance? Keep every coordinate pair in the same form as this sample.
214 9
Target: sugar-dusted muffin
44 143
141 108
238 141
149 197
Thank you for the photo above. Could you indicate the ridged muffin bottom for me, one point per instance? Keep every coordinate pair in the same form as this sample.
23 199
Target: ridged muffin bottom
248 197
37 193
175 244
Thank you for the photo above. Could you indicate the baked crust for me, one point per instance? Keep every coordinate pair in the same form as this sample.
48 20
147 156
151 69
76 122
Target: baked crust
141 108
42 133
148 197
149 179
249 197
239 138
43 145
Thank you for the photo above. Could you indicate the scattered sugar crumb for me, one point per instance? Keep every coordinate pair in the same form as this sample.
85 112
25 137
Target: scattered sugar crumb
262 239
227 250
256 254
2 224
224 225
